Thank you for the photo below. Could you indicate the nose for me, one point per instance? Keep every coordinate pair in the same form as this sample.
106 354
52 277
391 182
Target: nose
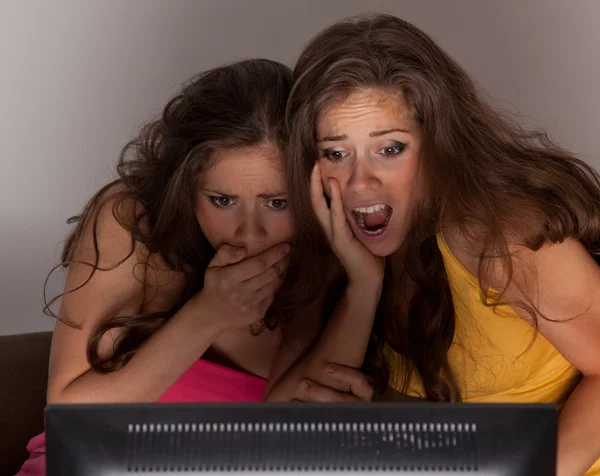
363 175
250 230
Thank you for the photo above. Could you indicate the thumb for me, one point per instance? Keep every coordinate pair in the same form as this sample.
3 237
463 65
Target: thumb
226 255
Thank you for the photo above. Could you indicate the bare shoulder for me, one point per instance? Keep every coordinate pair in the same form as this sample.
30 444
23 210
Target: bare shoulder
560 281
124 268
554 265
110 275
468 247
557 285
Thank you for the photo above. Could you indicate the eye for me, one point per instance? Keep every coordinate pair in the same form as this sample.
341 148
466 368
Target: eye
334 154
221 202
277 204
392 150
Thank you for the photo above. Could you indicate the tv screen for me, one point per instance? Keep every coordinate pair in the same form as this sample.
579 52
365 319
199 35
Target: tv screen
405 438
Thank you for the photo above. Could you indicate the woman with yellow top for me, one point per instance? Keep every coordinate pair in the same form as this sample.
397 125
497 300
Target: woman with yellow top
479 237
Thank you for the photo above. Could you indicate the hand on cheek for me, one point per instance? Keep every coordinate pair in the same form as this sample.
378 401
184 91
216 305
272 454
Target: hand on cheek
325 180
359 262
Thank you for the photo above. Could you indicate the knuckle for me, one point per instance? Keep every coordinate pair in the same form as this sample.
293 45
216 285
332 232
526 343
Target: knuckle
273 273
305 389
368 389
263 263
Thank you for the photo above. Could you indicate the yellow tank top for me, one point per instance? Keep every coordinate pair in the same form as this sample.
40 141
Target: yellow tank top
494 356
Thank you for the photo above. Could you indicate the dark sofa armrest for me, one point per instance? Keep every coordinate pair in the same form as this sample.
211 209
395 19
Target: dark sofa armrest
23 382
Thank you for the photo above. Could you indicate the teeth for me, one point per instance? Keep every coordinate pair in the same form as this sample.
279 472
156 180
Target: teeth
371 209
360 220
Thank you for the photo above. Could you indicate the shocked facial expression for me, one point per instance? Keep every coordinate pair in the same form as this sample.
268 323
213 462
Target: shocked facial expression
369 144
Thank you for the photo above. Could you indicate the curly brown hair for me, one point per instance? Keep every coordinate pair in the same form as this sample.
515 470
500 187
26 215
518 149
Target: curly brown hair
481 168
233 106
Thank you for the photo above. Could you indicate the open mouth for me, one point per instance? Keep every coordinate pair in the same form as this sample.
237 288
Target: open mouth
373 220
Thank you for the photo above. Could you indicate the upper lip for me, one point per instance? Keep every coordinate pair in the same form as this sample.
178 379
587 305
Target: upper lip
366 204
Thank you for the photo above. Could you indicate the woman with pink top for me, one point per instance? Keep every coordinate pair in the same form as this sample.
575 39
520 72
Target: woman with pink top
173 269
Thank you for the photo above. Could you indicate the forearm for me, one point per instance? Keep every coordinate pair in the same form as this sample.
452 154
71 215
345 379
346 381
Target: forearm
346 336
578 434
153 369
344 341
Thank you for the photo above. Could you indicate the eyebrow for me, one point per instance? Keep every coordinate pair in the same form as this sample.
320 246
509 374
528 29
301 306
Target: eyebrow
269 196
341 137
264 196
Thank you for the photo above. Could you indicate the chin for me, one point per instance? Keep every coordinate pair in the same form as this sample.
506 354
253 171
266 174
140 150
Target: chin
383 249
383 245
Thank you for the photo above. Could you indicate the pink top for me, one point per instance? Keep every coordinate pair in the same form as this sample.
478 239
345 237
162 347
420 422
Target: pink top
202 382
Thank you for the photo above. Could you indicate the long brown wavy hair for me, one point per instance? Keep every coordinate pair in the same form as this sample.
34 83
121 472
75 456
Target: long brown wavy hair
237 105
480 167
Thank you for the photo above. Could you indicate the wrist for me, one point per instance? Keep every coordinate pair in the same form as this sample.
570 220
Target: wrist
204 314
371 284
367 290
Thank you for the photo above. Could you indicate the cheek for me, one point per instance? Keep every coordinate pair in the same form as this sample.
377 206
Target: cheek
403 186
405 180
281 228
212 222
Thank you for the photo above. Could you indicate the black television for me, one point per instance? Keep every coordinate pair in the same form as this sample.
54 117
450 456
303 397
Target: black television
404 438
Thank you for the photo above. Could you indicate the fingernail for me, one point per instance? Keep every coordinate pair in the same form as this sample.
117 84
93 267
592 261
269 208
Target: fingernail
287 248
237 251
329 368
305 385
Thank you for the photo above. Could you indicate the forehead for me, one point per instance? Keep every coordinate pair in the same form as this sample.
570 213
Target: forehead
247 168
380 109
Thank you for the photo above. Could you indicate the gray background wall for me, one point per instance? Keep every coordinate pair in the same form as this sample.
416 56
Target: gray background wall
77 77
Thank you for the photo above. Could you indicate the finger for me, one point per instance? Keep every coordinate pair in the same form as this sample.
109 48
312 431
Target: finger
355 379
274 273
313 392
339 223
264 296
259 263
318 199
227 255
